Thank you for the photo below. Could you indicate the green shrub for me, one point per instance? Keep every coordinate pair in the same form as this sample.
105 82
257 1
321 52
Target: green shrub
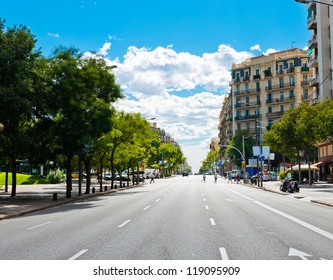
55 176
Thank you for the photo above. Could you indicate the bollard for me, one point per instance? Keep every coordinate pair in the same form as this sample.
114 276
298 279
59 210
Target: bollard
105 188
55 196
115 186
123 185
93 190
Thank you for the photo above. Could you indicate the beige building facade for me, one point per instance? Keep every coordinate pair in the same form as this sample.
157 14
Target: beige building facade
320 23
262 89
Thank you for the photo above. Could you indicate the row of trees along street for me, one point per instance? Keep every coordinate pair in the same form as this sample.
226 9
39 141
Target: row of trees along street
59 108
292 139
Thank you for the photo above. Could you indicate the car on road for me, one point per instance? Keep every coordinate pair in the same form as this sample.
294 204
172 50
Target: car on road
185 174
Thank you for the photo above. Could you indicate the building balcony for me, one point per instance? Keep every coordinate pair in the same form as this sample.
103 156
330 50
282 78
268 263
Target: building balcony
246 78
274 114
312 23
280 86
280 72
313 62
280 100
245 118
305 69
247 105
305 83
249 91
256 77
314 82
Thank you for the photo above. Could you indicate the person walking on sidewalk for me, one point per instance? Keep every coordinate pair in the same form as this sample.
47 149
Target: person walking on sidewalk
152 176
215 178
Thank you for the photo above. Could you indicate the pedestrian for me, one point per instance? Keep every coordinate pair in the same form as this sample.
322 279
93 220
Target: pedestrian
204 178
237 179
229 177
215 177
152 176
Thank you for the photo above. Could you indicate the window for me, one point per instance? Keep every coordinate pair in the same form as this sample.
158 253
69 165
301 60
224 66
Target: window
258 99
292 80
269 98
281 108
239 114
305 93
305 78
238 89
247 88
281 96
258 86
239 127
247 113
270 110
248 126
291 94
257 71
292 106
269 85
247 101
281 82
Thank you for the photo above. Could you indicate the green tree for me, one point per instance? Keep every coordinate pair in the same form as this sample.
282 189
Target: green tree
237 142
17 100
82 91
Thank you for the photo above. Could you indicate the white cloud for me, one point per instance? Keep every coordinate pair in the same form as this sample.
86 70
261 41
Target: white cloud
54 35
104 50
184 92
255 48
269 51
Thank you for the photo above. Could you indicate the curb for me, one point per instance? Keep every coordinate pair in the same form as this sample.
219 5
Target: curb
65 200
280 193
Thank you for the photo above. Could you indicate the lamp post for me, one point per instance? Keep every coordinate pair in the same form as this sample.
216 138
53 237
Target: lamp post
314 1
2 127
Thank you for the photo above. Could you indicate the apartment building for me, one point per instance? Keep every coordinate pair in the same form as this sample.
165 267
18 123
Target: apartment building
262 89
320 23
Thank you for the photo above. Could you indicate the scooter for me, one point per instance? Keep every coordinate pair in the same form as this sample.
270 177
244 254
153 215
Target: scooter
289 186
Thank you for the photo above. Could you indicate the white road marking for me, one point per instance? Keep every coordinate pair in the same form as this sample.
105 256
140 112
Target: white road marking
204 199
224 254
212 222
207 207
124 223
157 200
294 219
40 225
165 194
298 221
203 194
146 208
78 254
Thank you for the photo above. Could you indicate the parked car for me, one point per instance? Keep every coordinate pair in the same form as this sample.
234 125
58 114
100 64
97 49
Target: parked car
185 174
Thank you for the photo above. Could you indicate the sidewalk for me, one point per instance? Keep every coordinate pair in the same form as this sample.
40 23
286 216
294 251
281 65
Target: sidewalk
32 198
320 193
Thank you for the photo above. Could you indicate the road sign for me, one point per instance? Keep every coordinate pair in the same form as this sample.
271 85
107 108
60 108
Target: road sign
262 158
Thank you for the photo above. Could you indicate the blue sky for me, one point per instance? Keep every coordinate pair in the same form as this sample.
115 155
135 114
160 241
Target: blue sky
173 56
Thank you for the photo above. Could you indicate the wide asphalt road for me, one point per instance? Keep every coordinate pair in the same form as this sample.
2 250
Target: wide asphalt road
181 218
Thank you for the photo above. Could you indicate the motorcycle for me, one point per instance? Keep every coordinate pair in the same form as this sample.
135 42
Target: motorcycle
253 180
289 185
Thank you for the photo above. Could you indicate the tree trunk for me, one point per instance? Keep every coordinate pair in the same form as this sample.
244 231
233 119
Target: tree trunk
87 164
101 176
6 180
69 176
13 161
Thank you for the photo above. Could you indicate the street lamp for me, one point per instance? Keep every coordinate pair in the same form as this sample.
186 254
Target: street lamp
313 1
2 127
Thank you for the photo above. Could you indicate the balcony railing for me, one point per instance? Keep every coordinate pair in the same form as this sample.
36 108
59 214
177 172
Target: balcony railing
280 100
249 91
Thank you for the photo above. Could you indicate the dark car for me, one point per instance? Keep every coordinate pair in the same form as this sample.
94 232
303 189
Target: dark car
185 174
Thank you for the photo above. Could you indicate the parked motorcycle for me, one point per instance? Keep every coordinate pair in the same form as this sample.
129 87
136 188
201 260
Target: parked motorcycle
289 185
